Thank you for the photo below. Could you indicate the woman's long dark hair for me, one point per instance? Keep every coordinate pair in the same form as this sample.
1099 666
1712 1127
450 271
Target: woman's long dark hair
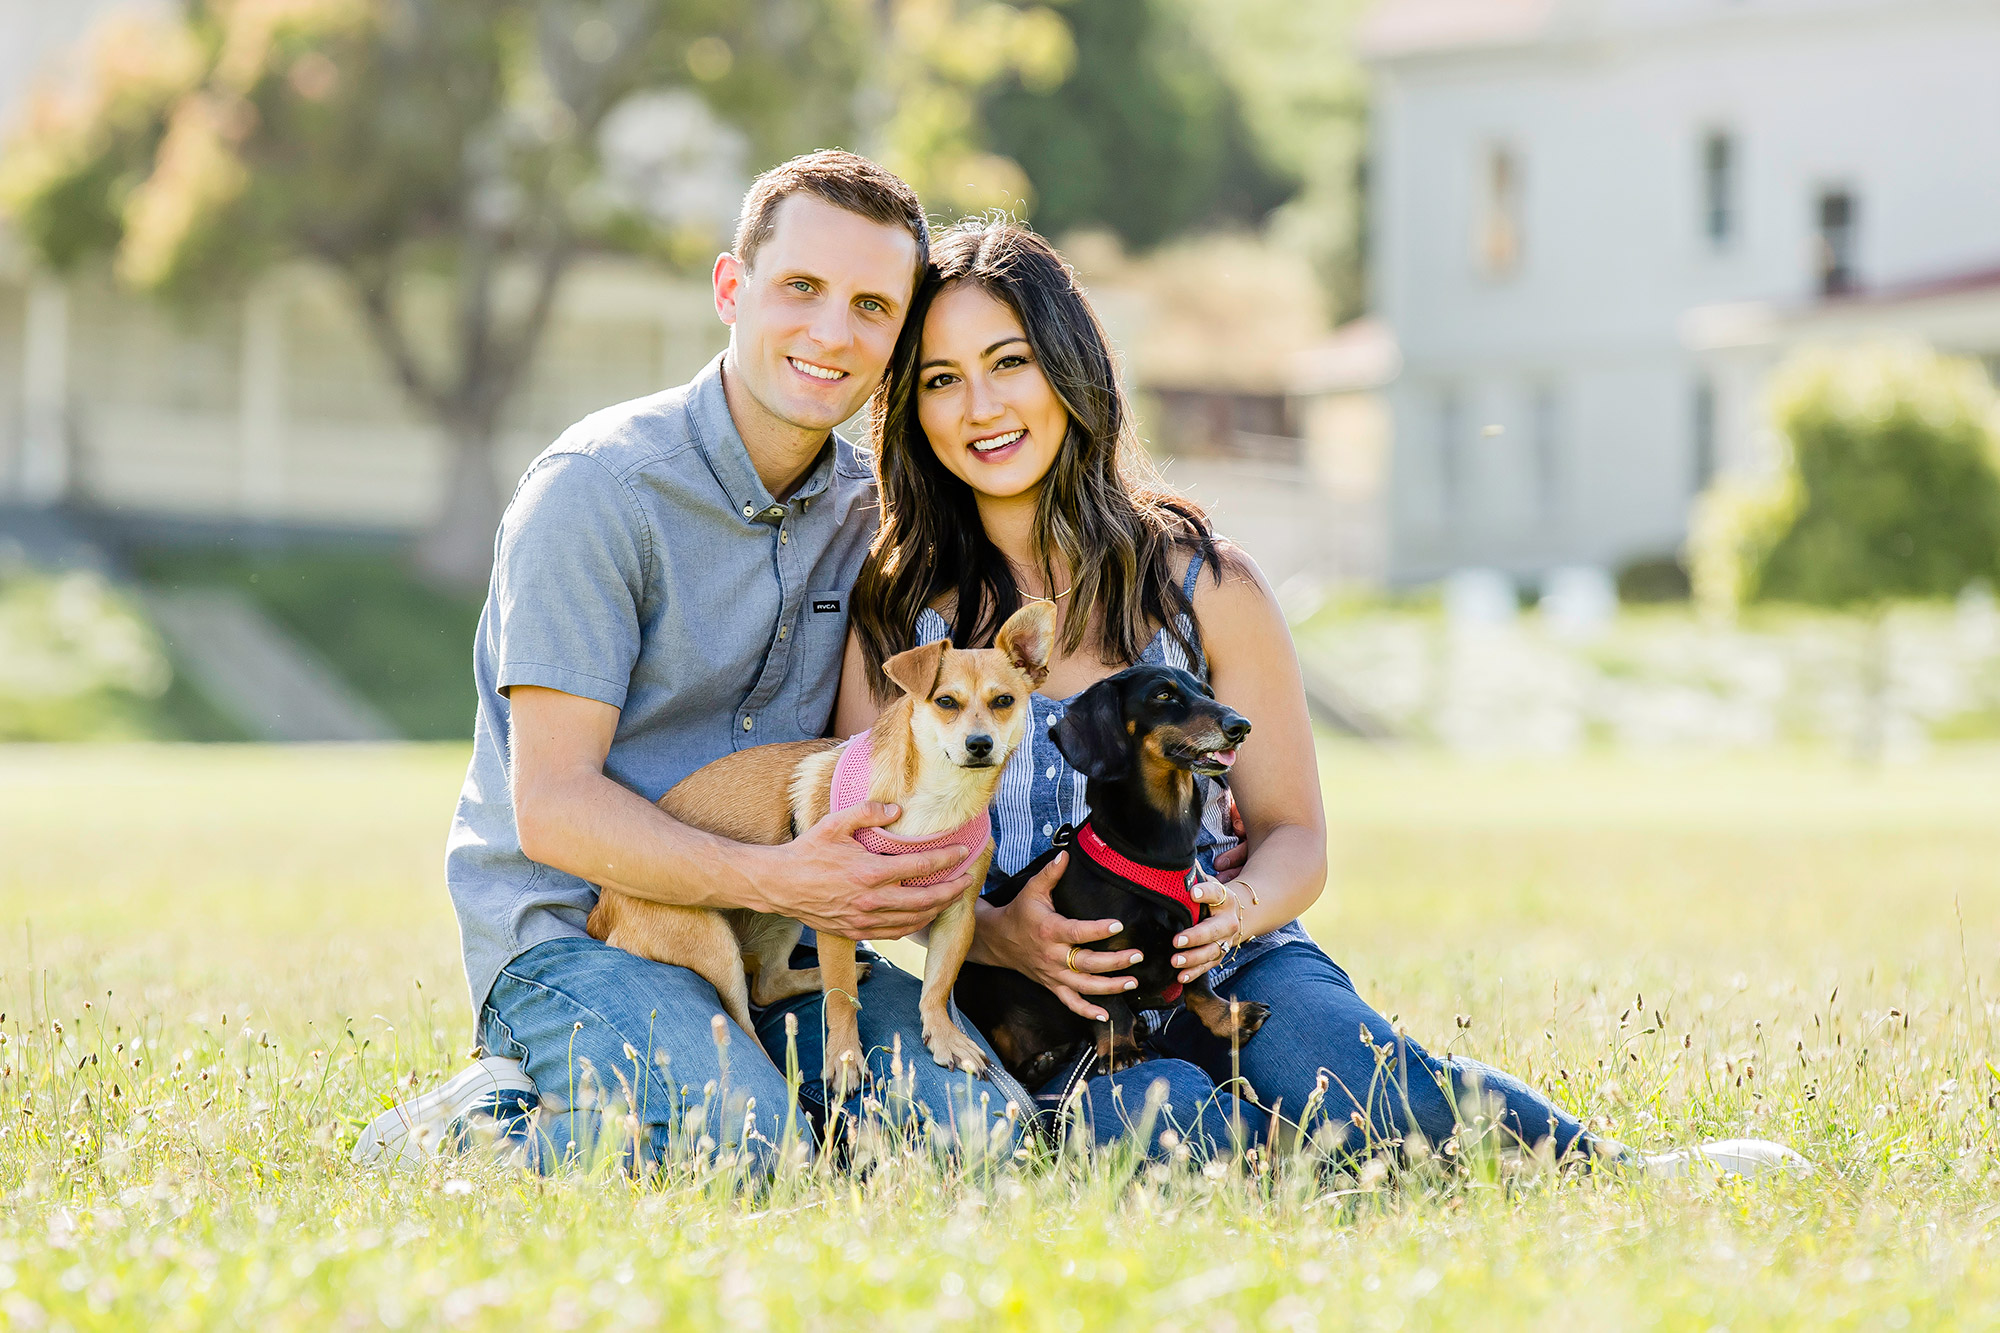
1124 536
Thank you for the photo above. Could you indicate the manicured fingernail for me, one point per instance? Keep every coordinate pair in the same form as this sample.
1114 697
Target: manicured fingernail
1131 983
1138 958
1187 977
1117 926
1180 941
1178 960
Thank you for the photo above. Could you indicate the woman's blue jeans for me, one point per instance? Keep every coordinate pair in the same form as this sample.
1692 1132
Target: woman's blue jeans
1379 1086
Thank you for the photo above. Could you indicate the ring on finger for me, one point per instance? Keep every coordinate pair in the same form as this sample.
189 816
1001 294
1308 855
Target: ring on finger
1069 959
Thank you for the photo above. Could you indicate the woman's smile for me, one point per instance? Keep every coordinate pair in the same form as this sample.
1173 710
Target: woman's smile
999 447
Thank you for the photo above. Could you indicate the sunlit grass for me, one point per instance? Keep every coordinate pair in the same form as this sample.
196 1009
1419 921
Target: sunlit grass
214 963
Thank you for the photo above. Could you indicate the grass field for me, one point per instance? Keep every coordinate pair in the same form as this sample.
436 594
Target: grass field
214 961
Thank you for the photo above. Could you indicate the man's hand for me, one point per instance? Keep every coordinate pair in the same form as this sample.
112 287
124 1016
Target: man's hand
1032 937
832 883
572 817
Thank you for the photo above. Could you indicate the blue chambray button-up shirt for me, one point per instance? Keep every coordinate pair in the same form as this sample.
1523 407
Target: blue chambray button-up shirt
642 563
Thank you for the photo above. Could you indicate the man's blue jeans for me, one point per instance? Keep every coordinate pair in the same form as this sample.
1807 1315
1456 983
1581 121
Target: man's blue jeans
602 1031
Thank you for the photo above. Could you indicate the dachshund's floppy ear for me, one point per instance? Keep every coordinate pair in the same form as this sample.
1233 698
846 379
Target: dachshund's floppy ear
1091 734
916 669
1028 637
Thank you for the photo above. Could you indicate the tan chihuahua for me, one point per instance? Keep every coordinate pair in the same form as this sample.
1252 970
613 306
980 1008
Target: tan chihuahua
937 753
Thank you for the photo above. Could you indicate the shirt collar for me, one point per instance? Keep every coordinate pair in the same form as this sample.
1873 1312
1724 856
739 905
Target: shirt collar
722 445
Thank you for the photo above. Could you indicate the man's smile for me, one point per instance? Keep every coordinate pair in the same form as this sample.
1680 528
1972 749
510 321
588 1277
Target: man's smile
816 371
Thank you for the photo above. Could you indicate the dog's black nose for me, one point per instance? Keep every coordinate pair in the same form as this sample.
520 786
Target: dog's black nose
1236 727
979 747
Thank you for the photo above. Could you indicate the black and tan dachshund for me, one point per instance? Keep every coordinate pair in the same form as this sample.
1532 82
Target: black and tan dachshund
1140 738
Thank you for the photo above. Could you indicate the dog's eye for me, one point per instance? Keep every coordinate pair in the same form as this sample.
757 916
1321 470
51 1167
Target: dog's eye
1164 697
1003 701
946 702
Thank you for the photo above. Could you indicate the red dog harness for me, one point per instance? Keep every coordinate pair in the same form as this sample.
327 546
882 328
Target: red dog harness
850 788
1174 885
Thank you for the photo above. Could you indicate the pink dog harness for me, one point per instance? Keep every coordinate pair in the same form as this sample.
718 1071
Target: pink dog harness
850 788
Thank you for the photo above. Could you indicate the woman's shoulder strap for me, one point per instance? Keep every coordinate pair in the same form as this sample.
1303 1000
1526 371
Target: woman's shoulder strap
1175 654
1193 575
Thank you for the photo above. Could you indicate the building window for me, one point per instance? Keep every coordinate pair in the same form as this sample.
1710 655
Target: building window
1548 453
1836 242
1704 434
1499 238
1718 188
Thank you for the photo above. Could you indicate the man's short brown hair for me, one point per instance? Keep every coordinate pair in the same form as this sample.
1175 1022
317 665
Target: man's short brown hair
843 179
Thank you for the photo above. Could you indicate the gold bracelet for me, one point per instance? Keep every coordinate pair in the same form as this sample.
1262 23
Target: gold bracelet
1239 881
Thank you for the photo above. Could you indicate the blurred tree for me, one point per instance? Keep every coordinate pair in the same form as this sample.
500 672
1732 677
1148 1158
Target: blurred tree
441 155
1304 96
922 103
1142 134
1889 488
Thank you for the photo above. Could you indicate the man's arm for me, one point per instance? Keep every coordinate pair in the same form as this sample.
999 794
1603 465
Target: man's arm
571 816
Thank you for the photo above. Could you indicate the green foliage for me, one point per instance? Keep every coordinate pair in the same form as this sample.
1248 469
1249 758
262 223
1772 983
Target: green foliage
78 660
1304 97
923 97
1144 137
1889 488
403 645
204 148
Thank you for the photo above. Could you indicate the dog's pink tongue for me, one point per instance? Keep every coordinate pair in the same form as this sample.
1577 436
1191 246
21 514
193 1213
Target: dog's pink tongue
1224 757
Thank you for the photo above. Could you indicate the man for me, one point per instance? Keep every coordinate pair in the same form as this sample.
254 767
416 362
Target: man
670 584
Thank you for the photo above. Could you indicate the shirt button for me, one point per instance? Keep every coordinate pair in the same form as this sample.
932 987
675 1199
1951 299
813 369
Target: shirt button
748 510
747 724
784 538
1048 830
783 630
1052 770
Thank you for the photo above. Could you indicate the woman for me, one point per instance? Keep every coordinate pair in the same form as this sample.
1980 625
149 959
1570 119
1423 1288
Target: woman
1009 471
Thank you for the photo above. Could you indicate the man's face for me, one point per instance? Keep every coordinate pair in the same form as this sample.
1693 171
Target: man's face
816 314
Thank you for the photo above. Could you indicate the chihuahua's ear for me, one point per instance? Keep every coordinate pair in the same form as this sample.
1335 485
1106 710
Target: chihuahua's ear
1091 734
916 669
1028 637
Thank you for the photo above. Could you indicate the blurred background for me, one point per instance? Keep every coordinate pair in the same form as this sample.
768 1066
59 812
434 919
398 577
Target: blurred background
1584 373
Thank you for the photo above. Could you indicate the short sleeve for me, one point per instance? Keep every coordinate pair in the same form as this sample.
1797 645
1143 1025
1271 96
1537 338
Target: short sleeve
568 581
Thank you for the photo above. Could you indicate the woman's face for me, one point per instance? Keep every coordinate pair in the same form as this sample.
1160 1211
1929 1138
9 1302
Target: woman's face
990 413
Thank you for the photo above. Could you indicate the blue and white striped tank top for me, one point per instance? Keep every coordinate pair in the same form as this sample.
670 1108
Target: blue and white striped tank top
1039 791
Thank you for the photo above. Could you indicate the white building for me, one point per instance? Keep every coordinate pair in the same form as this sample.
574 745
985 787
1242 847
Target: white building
1596 223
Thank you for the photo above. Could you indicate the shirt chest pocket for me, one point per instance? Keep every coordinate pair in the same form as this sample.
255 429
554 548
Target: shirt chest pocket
821 629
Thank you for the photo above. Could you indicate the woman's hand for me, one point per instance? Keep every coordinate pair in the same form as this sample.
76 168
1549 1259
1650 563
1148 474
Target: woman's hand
1229 863
1032 937
1203 946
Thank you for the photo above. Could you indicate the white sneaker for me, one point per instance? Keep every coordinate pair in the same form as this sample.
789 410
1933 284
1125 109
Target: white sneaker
414 1132
1743 1157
